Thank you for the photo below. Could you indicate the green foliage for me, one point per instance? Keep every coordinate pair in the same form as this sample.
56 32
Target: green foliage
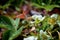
44 35
14 29
11 26
48 28
46 4
15 3
5 21
6 35
6 5
47 7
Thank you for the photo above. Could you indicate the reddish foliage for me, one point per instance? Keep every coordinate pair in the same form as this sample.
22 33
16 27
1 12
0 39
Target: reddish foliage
25 11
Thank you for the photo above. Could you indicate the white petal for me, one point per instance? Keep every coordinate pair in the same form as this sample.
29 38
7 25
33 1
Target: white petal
31 22
31 38
39 17
41 31
25 39
54 16
43 18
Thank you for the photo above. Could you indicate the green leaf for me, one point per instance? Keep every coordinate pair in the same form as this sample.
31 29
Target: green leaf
47 7
45 23
17 8
6 35
5 26
50 7
5 20
17 23
6 5
17 33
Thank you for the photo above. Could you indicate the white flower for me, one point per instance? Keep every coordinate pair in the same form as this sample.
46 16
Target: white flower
42 18
39 17
42 32
31 38
54 16
31 22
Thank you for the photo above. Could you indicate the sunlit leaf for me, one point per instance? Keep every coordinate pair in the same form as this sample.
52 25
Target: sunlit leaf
16 22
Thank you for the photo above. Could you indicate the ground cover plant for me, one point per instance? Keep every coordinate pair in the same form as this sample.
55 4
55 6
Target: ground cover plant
29 20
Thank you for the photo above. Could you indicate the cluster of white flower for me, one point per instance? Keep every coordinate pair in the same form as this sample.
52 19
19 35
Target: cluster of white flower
39 17
55 16
43 34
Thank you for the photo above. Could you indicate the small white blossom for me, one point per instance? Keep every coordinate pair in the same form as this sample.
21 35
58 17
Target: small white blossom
31 22
42 32
39 17
54 16
31 38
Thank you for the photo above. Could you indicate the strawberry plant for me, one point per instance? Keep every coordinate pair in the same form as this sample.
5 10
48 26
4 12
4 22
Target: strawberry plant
12 27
